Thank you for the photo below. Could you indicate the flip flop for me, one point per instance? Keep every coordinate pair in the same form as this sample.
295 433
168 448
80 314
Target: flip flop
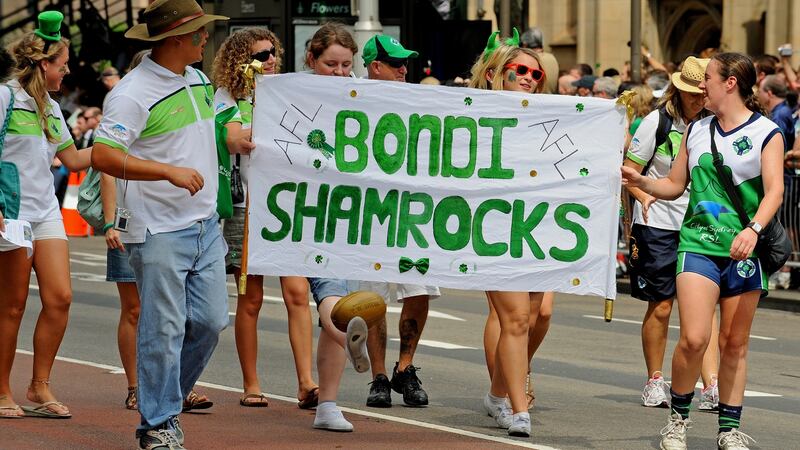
311 400
196 401
259 401
45 412
11 412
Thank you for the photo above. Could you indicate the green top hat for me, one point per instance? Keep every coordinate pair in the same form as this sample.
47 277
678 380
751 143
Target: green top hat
385 48
50 26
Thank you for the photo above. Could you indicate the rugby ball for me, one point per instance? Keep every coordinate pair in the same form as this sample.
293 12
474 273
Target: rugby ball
365 304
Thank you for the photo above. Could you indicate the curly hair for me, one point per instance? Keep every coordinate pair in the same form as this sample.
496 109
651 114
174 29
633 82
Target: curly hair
234 52
329 34
501 56
28 52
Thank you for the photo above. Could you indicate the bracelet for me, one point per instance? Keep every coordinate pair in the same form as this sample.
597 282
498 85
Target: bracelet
124 166
107 227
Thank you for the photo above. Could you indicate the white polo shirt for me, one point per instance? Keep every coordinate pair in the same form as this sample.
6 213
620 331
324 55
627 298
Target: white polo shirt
158 115
27 152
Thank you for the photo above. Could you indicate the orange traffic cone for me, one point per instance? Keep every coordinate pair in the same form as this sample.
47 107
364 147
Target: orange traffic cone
74 224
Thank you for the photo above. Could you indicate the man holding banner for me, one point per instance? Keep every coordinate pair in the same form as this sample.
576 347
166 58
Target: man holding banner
386 59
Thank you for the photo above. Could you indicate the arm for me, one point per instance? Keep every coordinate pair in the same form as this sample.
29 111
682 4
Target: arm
788 70
772 178
76 160
108 195
238 139
641 196
654 63
112 161
668 188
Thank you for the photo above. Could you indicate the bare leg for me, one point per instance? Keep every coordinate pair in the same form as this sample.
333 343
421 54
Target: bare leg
655 329
295 297
513 310
376 347
412 321
246 330
51 263
491 334
541 325
736 319
126 330
330 353
710 367
14 278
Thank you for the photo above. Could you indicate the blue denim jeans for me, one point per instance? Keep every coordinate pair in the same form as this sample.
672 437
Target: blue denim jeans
180 276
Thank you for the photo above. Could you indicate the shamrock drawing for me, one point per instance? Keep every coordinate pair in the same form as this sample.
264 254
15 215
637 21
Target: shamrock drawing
468 101
318 259
584 172
462 268
317 164
579 107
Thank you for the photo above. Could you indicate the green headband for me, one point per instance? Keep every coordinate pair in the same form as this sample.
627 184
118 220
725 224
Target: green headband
493 43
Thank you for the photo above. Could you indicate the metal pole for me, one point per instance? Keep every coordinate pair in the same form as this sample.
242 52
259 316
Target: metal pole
636 41
505 17
367 26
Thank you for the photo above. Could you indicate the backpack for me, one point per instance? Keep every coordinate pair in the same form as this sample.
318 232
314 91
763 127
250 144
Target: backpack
662 136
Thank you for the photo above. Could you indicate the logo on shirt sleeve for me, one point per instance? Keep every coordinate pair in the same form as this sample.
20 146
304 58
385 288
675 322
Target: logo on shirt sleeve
120 132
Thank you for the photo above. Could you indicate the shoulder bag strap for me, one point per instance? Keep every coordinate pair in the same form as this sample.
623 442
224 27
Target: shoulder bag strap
7 119
727 181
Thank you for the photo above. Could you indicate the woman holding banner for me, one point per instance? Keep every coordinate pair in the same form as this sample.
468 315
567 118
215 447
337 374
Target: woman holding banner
234 109
655 230
505 66
715 254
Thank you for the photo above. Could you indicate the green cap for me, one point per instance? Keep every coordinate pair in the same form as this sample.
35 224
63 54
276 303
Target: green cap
385 48
50 26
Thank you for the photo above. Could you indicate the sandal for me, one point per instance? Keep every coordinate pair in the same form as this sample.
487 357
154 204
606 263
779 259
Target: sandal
130 401
529 391
196 401
311 399
254 400
49 409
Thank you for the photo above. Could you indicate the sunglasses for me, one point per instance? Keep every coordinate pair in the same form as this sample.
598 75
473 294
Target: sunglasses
396 63
263 56
522 70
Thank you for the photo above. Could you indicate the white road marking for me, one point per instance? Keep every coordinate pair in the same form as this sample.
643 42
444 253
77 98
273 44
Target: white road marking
87 263
752 336
747 393
292 400
91 256
439 344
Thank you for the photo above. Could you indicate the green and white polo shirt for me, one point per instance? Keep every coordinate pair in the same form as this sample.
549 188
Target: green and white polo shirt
227 110
158 115
25 179
711 222
666 215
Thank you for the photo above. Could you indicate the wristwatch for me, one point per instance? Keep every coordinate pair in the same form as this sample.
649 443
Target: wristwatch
755 226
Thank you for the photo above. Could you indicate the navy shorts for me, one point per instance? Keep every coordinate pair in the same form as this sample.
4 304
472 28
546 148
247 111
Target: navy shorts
653 259
733 277
118 269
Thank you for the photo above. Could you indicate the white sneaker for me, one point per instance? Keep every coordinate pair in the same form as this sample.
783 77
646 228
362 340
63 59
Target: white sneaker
783 279
500 411
655 393
733 440
772 281
356 344
520 425
709 398
329 417
673 435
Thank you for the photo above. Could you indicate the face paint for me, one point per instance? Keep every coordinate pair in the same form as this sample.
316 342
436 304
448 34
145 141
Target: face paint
197 38
512 76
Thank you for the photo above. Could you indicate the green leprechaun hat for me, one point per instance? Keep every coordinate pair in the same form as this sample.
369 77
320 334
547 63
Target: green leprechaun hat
50 26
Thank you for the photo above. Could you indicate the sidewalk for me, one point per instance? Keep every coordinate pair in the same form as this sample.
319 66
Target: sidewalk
100 421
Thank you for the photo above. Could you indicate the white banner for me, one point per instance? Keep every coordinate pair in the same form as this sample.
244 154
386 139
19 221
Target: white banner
452 187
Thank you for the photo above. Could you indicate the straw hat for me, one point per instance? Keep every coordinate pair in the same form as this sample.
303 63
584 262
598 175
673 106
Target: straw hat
691 75
165 18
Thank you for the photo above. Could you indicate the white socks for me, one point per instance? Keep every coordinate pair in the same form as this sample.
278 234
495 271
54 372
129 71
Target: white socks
330 418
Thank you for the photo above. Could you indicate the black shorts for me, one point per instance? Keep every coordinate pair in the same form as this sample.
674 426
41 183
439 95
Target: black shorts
653 262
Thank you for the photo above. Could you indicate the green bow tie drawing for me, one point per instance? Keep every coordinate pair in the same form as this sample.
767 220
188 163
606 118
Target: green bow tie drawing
421 265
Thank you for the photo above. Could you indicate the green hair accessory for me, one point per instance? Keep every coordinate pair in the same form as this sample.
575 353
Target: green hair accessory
493 43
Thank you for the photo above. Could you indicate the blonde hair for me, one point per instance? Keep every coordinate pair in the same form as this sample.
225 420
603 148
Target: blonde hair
234 52
28 52
501 56
671 101
642 100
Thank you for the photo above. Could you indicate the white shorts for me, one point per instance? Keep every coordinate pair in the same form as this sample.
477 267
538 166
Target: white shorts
51 229
398 292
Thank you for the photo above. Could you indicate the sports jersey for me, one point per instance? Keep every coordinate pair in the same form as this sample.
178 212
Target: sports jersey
663 214
711 222
26 182
234 110
158 115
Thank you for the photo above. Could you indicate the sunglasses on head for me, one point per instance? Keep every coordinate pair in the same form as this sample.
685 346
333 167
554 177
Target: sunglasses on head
395 63
522 70
263 56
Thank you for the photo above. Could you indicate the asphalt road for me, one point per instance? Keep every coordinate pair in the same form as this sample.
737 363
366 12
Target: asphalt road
588 374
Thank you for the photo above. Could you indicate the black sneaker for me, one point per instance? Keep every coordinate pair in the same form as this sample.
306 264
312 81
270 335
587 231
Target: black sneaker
161 438
407 383
380 392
